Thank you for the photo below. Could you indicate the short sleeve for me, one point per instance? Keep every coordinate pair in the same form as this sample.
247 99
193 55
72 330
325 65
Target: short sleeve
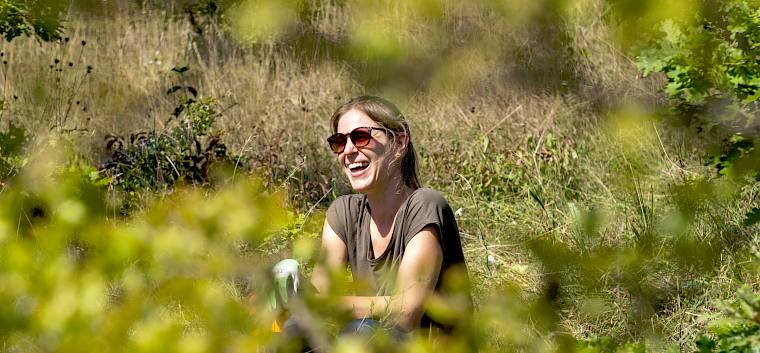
336 217
426 207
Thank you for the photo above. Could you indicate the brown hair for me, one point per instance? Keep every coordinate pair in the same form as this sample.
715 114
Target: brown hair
388 116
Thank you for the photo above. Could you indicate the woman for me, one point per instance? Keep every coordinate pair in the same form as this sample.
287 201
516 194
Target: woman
401 241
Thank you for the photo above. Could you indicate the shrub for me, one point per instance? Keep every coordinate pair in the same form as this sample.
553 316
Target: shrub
739 331
713 59
713 82
187 152
38 18
158 160
12 151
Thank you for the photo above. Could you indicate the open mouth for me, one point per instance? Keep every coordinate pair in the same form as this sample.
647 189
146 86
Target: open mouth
357 167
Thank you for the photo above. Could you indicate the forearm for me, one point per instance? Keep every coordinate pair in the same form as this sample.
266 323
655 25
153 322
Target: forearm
367 307
406 317
376 307
320 279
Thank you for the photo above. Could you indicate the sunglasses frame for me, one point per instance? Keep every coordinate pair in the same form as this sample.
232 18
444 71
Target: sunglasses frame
345 137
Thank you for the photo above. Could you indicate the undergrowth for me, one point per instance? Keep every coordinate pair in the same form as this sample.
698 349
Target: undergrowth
186 152
590 222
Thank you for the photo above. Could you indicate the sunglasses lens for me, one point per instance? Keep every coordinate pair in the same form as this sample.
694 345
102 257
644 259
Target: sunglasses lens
360 137
337 142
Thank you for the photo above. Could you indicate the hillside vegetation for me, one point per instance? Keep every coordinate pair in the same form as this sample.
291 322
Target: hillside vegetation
156 158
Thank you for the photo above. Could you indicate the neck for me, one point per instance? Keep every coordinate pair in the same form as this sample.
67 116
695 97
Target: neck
386 202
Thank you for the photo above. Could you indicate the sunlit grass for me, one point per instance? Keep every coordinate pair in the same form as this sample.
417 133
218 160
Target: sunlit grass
583 214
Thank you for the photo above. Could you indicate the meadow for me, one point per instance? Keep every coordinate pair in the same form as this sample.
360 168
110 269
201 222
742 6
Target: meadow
159 157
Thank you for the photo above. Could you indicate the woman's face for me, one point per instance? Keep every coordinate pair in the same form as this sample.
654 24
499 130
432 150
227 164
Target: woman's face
368 168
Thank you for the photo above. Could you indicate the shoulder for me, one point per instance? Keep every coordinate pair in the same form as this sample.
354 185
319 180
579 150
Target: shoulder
348 200
429 197
346 205
428 207
343 213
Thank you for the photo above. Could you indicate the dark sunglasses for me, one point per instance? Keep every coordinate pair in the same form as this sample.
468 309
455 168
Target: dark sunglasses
360 137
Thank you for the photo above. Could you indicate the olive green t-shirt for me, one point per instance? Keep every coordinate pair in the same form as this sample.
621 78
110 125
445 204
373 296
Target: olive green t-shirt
349 216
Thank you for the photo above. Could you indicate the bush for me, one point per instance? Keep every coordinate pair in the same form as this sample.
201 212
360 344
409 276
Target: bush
187 152
38 18
739 331
713 82
712 59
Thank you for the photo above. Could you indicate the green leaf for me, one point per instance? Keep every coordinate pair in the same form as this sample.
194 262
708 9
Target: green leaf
705 344
752 217
537 198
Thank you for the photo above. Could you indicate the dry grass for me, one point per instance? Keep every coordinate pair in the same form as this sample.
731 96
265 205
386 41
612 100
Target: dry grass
482 125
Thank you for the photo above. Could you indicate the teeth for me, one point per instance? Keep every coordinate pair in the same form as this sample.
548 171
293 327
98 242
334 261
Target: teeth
357 165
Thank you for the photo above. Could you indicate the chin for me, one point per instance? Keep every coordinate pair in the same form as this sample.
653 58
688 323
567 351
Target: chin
360 186
363 185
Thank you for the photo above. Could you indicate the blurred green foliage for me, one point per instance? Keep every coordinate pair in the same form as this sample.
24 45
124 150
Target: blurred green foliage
181 277
401 47
172 280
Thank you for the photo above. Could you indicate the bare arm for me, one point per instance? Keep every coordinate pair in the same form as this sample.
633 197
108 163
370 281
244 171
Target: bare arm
417 276
416 279
335 257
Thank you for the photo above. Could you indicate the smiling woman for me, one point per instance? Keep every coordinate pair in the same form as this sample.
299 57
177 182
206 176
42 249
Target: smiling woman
401 241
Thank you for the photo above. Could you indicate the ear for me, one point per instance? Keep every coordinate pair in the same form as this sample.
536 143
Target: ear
403 142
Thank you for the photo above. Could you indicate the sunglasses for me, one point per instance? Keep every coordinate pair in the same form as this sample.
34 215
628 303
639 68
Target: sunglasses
360 137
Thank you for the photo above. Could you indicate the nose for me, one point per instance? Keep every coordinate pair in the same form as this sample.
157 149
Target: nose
349 148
